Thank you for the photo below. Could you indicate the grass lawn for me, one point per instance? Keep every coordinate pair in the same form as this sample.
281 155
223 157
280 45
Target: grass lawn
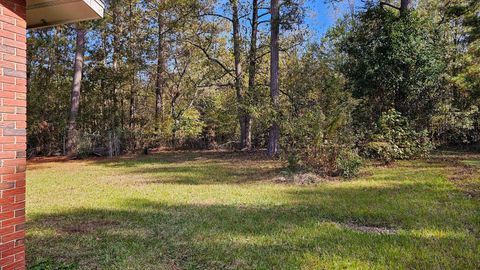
222 211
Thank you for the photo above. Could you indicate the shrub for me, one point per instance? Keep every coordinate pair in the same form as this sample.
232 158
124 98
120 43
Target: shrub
380 150
396 139
316 119
349 163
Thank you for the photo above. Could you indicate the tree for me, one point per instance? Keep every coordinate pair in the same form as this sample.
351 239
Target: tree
393 62
234 17
238 77
72 140
274 133
404 6
252 73
160 80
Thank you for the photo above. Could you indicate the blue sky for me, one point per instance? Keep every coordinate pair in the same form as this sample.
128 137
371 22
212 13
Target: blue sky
322 15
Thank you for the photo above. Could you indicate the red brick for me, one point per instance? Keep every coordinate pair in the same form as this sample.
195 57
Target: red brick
6 215
12 133
15 191
8 155
14 73
22 53
4 109
21 23
20 183
6 64
14 102
21 67
22 96
20 242
10 222
12 251
16 205
5 170
21 139
7 230
21 82
7 49
20 256
6 185
16 44
20 124
14 117
6 201
14 28
7 261
15 162
10 20
7 94
15 58
14 88
17 265
8 245
7 79
7 34
19 110
20 227
14 177
14 147
20 198
8 11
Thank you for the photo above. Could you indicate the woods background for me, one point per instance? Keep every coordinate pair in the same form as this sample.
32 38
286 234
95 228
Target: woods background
389 80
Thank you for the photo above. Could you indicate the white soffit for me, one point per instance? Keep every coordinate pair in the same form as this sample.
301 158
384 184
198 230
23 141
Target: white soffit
43 13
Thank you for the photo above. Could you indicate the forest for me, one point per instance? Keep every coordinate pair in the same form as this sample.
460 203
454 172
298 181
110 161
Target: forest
389 81
243 134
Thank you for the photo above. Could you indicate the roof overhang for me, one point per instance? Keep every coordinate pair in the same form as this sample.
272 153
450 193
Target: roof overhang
44 13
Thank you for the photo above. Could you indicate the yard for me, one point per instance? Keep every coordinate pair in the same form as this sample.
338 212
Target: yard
205 210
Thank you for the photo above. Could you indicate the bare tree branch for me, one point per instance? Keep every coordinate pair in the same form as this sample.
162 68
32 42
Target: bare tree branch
215 60
215 15
389 5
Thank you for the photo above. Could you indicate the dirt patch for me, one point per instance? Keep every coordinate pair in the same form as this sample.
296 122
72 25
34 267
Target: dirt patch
459 173
302 179
462 172
89 226
370 229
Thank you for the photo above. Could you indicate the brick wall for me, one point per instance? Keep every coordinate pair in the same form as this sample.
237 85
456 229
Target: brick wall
12 133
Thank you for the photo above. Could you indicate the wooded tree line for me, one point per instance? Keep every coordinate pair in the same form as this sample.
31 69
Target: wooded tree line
391 79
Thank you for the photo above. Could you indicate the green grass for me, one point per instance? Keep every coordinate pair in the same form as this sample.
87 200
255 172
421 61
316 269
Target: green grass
222 211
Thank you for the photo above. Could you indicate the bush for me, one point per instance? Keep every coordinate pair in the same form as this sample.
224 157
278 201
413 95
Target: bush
396 139
316 120
380 150
349 164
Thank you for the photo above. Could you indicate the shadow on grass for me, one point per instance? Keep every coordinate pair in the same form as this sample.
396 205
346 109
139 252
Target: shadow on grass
197 168
145 234
205 174
179 157
435 227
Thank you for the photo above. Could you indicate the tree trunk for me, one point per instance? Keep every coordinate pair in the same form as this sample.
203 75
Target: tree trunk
274 134
159 83
132 108
404 6
115 114
252 71
133 64
238 72
72 140
176 121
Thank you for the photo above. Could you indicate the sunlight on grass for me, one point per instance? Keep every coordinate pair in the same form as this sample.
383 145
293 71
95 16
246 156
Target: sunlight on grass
223 211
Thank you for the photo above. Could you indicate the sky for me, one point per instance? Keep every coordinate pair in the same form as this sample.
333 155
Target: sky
322 15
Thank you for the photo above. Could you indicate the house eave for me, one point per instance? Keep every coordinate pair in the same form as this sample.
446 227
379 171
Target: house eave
45 13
